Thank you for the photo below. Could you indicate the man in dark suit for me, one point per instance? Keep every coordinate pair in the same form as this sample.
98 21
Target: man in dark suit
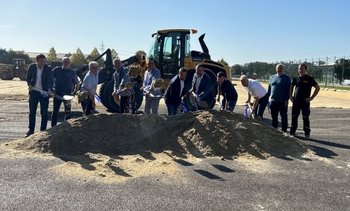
175 91
40 83
202 88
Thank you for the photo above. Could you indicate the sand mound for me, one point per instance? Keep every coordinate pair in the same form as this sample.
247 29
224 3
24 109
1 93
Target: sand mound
200 134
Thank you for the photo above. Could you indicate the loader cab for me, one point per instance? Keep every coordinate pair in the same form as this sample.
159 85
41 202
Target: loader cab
169 48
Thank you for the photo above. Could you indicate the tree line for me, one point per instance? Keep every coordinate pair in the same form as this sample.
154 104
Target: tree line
264 70
7 57
78 58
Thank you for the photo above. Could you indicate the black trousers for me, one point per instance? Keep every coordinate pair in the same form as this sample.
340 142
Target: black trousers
35 98
305 110
87 106
279 107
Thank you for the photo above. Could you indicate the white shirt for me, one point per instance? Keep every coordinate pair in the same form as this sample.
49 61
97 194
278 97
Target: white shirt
255 89
39 73
197 81
90 82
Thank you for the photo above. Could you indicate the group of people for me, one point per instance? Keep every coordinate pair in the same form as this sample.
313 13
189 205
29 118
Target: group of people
280 90
44 82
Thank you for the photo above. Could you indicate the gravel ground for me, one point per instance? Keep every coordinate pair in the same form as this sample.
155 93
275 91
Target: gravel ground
318 182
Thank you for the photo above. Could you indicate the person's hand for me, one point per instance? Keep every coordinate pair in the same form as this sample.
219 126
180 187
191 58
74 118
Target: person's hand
309 99
252 114
50 93
197 98
286 103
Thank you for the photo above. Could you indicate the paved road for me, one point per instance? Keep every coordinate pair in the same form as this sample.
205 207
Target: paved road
319 183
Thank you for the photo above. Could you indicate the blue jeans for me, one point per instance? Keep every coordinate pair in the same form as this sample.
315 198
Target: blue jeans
172 109
151 104
36 97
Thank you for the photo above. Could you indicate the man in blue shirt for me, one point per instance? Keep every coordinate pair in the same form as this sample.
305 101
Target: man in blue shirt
118 76
151 95
66 82
279 90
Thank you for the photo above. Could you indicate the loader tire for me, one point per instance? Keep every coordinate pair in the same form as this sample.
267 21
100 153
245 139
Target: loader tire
7 74
107 100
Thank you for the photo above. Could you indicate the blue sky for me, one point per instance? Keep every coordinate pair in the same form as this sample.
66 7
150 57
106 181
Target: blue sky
238 31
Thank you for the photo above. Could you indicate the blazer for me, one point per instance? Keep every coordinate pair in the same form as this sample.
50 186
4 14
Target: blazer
172 93
46 77
206 88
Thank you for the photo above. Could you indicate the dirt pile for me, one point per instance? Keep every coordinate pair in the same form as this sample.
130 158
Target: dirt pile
201 134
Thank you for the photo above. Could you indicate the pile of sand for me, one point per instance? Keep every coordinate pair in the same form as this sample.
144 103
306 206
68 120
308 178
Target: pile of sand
201 134
116 147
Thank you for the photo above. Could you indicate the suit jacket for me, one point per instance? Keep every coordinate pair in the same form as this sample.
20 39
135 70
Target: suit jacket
206 88
172 93
46 77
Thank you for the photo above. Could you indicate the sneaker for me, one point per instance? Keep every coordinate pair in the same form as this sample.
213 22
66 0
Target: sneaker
30 132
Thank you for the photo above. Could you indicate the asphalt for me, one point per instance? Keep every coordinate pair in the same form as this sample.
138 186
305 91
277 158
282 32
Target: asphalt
320 182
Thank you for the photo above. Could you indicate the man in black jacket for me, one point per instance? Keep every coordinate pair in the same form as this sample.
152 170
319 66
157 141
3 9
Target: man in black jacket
202 88
175 91
228 91
40 82
301 99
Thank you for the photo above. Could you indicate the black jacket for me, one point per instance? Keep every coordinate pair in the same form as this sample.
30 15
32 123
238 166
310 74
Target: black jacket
206 88
46 77
172 93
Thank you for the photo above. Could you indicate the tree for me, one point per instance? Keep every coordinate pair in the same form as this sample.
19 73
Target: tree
342 69
52 56
7 57
222 61
236 69
93 55
78 59
114 54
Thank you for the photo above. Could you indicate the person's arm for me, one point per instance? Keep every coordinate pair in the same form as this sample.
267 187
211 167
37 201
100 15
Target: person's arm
317 89
76 82
115 83
49 80
249 98
288 95
255 105
29 78
291 89
208 87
